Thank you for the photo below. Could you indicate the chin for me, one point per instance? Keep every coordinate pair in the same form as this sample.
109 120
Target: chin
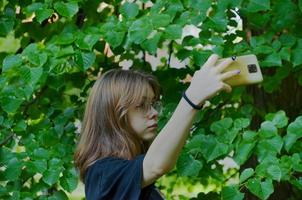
149 136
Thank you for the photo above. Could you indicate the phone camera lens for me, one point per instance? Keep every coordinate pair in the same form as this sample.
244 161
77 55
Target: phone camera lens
252 68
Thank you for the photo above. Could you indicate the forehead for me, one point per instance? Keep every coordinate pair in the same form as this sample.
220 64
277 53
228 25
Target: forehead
149 94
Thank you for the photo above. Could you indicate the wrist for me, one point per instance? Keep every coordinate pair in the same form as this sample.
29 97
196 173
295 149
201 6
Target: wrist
191 102
194 96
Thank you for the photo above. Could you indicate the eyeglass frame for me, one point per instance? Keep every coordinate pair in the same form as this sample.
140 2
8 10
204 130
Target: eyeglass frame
157 105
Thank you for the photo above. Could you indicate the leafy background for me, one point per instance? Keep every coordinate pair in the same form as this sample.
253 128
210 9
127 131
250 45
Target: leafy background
52 52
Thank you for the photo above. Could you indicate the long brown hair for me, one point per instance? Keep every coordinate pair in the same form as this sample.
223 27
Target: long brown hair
106 130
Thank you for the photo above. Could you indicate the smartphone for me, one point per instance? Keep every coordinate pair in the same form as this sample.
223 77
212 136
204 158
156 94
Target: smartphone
250 72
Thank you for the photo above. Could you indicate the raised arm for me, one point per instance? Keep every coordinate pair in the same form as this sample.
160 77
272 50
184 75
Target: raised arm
165 149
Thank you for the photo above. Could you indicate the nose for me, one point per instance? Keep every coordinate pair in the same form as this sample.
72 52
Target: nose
152 113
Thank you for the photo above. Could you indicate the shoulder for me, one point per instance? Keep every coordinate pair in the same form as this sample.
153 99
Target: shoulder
114 177
112 163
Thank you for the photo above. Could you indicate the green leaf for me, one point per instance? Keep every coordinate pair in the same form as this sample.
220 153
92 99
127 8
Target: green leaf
268 130
65 38
258 5
195 143
231 193
249 136
58 195
140 30
261 168
113 32
188 166
40 165
296 57
214 148
200 57
35 75
10 104
218 22
173 32
257 41
263 49
36 58
43 14
297 183
200 5
55 163
6 25
11 62
279 118
287 40
151 44
160 20
190 41
269 147
85 60
300 5
86 42
281 21
70 180
13 169
296 162
41 153
129 10
272 60
69 183
114 38
229 136
66 9
274 172
276 45
20 126
247 173
34 7
241 123
286 167
261 189
6 155
51 176
221 126
285 53
294 132
216 40
243 152
173 8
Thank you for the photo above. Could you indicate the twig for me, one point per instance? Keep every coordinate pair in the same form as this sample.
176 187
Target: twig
7 139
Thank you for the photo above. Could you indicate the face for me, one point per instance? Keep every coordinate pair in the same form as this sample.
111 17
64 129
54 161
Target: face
141 119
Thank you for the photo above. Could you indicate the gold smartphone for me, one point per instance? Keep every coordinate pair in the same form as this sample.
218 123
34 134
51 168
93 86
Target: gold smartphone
250 72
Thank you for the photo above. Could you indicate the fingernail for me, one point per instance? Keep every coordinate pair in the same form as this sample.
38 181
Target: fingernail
238 71
233 57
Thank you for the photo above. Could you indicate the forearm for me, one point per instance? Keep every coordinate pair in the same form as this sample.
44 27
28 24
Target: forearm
165 149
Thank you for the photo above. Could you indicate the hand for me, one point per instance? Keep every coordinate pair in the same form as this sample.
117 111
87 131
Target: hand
208 81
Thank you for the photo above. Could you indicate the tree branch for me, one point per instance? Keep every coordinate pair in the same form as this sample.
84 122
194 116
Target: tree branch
7 139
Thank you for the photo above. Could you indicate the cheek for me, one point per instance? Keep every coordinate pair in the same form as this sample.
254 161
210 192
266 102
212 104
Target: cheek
137 122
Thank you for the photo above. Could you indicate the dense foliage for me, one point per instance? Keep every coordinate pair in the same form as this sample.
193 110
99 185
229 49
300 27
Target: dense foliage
52 51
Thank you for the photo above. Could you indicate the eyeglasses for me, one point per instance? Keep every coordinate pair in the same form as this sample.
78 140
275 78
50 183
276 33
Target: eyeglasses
146 107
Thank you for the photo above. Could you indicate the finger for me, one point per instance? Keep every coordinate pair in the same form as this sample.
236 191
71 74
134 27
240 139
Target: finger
229 74
211 60
227 88
224 64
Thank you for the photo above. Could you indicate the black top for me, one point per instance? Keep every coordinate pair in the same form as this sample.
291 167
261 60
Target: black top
118 179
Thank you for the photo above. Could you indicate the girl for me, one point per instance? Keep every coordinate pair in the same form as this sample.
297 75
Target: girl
119 155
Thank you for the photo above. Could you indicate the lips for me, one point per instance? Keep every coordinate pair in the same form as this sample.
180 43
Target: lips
153 126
